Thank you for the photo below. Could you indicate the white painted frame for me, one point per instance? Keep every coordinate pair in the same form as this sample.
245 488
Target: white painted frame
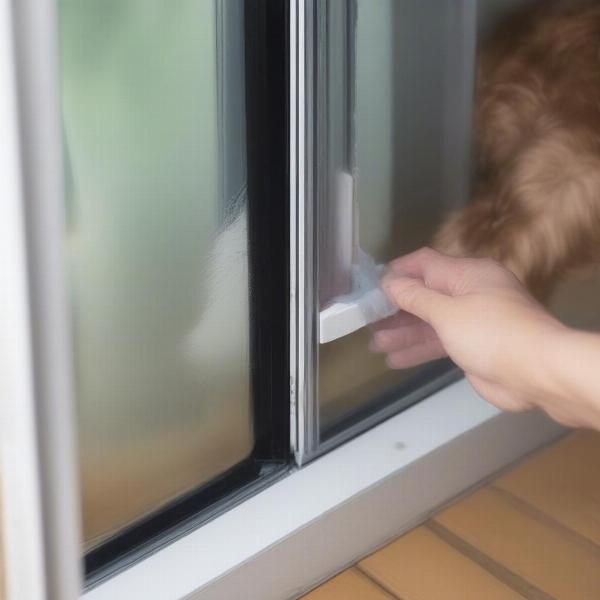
274 546
39 459
22 522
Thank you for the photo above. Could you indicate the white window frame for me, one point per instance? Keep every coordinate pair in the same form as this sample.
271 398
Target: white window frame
39 459
340 507
277 544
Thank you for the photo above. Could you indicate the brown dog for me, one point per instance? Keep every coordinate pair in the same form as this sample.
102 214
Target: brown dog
537 138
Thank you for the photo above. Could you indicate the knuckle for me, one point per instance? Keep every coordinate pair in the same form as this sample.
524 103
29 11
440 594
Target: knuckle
479 271
410 295
428 252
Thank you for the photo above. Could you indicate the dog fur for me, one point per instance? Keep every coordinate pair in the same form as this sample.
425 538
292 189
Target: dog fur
536 202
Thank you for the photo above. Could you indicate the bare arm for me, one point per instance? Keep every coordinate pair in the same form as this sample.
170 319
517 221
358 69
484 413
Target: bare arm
574 376
514 353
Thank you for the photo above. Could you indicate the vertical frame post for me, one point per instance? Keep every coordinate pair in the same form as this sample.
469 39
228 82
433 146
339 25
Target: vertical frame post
303 288
42 517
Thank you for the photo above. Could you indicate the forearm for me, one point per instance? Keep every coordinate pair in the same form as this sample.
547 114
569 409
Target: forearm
572 390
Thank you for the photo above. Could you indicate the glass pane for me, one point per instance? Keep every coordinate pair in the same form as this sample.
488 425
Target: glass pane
156 249
400 125
413 158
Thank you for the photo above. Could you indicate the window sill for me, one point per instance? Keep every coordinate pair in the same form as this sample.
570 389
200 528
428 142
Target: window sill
340 507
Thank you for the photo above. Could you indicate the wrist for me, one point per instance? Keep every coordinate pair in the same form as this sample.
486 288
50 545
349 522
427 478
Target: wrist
569 389
552 383
544 385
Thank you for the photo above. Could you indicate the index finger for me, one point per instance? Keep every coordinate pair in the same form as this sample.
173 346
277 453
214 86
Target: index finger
400 319
436 270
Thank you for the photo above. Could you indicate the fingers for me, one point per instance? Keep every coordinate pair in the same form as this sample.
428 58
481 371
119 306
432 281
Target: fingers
414 263
400 319
416 355
408 346
436 270
413 296
391 340
452 276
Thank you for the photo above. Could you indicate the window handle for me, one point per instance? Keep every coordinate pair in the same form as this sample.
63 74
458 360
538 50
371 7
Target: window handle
365 303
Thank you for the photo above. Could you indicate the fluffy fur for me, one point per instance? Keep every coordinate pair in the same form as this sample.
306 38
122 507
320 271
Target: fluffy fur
537 127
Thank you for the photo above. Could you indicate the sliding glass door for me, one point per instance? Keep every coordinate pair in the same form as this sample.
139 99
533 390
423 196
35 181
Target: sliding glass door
169 223
212 190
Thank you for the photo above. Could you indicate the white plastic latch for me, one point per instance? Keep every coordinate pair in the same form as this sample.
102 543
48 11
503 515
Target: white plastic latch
366 303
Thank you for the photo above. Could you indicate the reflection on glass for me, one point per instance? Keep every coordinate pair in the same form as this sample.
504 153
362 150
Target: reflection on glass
154 141
412 161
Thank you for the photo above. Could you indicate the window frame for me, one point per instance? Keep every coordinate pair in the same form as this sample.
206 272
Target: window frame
39 455
296 533
32 75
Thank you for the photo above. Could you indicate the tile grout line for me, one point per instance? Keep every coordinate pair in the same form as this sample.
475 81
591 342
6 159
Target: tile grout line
500 572
375 581
545 519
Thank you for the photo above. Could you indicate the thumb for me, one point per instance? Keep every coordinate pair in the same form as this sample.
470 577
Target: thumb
413 296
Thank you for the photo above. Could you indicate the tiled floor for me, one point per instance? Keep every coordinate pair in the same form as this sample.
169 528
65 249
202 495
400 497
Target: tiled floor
533 533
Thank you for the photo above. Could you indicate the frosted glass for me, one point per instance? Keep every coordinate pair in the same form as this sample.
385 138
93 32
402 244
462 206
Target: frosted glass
155 172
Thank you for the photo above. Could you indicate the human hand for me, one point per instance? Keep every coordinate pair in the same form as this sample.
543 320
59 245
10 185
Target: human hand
477 313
